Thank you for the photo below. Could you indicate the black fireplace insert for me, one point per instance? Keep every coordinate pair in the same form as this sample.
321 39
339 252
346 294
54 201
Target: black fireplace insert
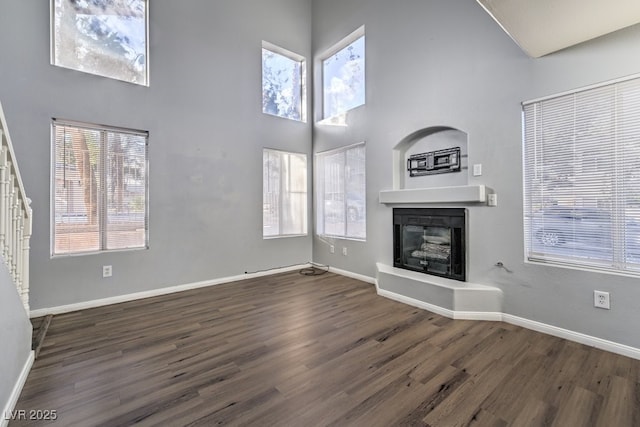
431 241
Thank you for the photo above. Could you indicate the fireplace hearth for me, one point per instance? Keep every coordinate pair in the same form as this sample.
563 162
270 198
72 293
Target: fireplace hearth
430 240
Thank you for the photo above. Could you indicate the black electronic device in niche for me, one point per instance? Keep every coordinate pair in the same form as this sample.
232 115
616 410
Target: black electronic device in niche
433 162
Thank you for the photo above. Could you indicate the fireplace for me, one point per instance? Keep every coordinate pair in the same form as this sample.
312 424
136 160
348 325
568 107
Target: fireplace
431 241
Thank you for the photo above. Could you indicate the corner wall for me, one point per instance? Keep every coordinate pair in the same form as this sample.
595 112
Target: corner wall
436 63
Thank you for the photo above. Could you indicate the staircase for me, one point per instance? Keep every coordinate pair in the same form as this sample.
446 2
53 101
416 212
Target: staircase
15 216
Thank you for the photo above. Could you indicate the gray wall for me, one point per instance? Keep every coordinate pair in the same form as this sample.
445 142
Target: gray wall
203 111
429 63
447 63
15 336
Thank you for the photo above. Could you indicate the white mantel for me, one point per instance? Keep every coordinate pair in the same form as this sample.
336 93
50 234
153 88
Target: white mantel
455 194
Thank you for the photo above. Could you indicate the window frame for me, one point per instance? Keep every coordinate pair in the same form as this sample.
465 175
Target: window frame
620 232
52 47
319 214
333 50
102 220
304 215
303 79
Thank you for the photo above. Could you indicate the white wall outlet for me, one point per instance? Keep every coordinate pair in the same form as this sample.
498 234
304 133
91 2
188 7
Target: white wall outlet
344 251
492 199
332 249
477 169
601 300
107 271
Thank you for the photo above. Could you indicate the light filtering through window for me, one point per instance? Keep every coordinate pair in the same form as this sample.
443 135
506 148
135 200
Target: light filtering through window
284 194
100 189
341 193
343 79
581 178
103 37
282 83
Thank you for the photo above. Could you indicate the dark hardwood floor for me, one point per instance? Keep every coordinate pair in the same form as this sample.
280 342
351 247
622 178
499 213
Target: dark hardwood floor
294 350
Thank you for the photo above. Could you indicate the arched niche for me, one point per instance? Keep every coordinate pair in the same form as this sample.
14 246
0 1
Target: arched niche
425 140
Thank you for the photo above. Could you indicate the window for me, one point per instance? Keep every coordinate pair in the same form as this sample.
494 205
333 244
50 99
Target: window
284 194
100 189
103 37
341 193
283 83
343 83
582 178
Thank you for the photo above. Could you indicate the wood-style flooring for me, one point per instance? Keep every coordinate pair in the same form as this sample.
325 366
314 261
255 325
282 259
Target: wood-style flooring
295 350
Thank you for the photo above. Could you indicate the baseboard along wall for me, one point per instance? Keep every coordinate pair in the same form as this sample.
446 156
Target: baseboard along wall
459 315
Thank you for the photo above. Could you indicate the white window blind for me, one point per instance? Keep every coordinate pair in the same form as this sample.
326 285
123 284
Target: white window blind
582 178
341 193
284 194
100 189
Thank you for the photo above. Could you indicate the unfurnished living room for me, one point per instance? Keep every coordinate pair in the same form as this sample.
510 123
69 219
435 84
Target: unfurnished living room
320 212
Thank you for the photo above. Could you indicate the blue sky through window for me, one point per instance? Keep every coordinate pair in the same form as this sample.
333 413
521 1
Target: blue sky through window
343 75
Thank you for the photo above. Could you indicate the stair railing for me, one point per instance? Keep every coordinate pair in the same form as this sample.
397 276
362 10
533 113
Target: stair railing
15 216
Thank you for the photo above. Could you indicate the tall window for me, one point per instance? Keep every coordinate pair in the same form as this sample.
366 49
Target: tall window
341 193
103 37
100 188
284 194
283 83
343 82
582 177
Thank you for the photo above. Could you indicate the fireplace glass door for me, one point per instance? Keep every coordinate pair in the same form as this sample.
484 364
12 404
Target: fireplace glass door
427 248
430 241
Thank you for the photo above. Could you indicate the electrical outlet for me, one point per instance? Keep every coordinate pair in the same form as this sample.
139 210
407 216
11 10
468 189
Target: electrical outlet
601 300
107 271
332 249
477 169
492 199
344 251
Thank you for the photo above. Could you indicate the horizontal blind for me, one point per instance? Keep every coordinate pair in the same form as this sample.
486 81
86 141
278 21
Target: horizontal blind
581 177
100 189
341 192
284 195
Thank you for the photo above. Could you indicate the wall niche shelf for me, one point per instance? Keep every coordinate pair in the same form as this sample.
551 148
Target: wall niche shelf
452 194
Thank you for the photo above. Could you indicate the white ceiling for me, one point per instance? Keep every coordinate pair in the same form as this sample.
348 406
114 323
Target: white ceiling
541 27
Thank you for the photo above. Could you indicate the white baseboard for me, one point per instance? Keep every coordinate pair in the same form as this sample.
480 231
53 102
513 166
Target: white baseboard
157 292
459 315
356 276
555 331
591 341
578 337
17 389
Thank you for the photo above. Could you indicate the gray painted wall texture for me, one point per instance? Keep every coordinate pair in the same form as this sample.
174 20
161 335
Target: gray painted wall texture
15 328
204 114
432 63
429 63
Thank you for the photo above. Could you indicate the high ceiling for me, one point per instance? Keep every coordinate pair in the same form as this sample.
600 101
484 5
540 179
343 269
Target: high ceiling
541 27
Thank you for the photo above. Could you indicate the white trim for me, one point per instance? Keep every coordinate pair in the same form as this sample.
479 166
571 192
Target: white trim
453 194
356 276
533 325
17 389
458 315
157 292
578 337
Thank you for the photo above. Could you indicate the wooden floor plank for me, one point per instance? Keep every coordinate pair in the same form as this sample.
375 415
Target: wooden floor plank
297 350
